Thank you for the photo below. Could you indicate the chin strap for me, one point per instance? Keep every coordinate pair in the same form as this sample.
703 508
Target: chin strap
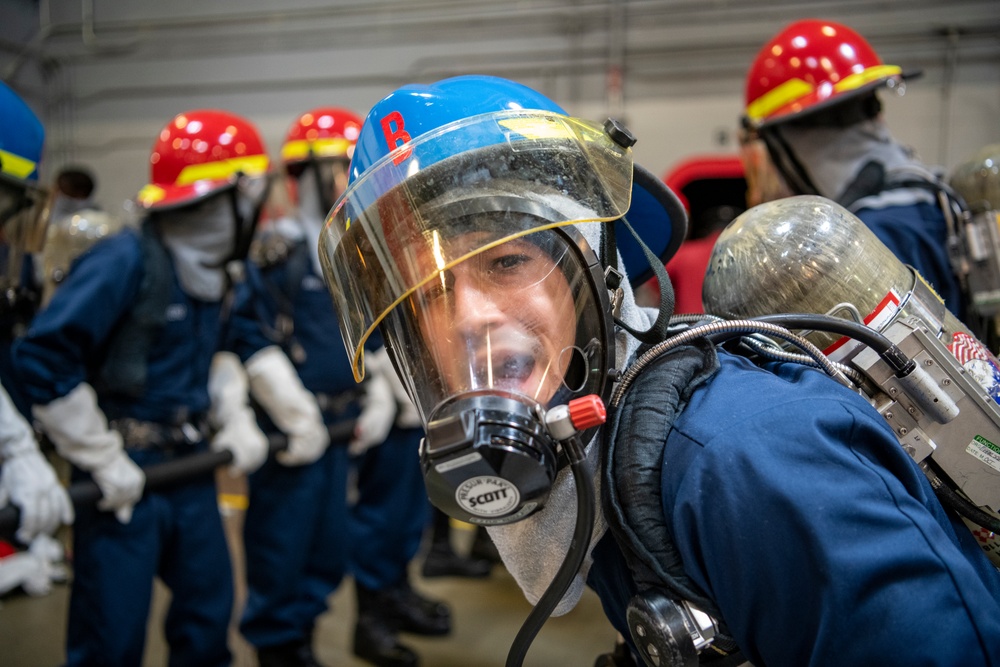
609 255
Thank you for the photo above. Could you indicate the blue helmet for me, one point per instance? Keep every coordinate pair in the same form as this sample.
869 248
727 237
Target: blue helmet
416 110
21 137
433 155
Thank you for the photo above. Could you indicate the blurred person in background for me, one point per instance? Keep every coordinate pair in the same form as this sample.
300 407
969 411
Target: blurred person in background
117 367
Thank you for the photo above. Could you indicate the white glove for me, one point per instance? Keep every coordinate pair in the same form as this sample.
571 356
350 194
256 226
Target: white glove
275 384
235 424
378 412
33 570
30 483
80 433
26 478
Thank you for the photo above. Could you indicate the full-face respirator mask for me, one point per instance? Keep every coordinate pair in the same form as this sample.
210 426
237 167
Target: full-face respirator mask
502 349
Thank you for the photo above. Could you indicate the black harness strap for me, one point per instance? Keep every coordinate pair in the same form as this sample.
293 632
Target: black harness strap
632 456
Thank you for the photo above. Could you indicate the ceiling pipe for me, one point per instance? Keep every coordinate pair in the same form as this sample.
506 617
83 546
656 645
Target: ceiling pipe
951 35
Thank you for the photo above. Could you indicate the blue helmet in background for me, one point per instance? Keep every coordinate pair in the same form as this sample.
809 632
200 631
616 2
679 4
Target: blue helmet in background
21 137
23 204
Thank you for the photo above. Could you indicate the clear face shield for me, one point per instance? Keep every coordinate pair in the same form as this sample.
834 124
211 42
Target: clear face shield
392 232
764 181
459 246
248 198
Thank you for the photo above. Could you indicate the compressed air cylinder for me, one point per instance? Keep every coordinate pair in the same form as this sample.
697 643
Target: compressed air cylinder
978 179
808 254
69 237
802 255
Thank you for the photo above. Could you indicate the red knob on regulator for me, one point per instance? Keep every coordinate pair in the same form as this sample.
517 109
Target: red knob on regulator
587 411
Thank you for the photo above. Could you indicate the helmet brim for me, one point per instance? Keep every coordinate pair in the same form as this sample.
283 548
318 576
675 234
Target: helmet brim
811 105
154 197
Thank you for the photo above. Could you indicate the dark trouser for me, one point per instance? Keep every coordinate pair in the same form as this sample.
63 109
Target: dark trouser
389 517
176 535
296 551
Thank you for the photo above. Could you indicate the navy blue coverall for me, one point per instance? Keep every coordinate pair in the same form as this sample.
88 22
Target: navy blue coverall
174 534
775 480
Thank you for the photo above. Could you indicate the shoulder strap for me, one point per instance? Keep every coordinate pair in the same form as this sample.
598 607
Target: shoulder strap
297 266
125 365
874 180
632 455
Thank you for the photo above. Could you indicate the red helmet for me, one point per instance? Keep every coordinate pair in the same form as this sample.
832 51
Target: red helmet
326 132
198 153
324 138
811 65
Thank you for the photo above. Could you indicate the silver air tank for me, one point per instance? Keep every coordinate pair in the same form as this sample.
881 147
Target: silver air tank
69 237
978 179
807 254
801 254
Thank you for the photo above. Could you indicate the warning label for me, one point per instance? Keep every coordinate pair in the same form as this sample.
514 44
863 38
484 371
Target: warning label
878 319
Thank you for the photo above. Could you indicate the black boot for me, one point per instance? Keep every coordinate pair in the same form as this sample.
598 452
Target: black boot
293 654
483 547
441 559
377 643
375 639
408 611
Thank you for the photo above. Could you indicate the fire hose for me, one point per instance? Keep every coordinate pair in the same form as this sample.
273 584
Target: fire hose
171 473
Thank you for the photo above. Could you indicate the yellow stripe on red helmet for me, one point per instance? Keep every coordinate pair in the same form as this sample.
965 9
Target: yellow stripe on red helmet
796 89
150 194
778 97
329 147
870 74
252 165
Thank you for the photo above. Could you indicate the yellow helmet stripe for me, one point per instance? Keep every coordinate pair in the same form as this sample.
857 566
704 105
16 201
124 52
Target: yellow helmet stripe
777 97
859 79
15 165
328 147
795 89
150 194
252 165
